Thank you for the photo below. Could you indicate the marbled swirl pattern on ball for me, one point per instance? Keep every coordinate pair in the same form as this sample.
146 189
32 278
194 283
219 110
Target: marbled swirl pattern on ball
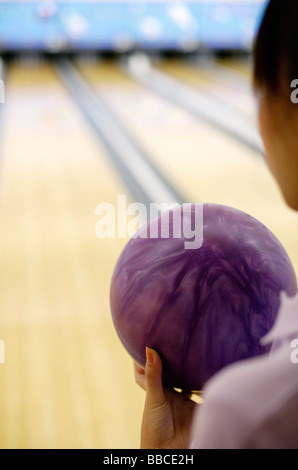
205 308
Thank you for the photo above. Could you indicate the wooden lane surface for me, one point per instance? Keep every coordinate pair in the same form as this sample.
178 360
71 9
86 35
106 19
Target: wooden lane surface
67 381
242 66
205 164
227 85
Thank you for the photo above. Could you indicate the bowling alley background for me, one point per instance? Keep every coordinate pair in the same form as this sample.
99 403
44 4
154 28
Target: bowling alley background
152 100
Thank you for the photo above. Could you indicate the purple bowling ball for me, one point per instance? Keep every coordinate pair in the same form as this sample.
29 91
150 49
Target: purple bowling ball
200 308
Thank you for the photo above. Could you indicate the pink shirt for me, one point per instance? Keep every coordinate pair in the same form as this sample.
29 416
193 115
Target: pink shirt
254 403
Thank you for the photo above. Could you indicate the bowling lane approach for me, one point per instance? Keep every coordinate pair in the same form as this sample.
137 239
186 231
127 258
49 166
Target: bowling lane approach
204 163
67 381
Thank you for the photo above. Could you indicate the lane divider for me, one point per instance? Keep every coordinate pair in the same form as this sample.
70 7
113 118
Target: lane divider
145 182
197 103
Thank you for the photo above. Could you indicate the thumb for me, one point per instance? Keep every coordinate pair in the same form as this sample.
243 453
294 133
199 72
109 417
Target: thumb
154 388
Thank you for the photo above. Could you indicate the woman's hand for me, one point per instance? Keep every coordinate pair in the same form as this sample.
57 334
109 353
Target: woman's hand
168 414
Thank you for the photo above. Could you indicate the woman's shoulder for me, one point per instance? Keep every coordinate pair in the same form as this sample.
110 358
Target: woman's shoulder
250 392
252 377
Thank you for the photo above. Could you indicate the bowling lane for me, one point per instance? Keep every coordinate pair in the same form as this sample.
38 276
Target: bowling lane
242 66
223 82
67 381
205 164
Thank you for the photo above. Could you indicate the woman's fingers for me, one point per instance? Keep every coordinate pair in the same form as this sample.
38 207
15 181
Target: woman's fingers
149 379
140 376
155 392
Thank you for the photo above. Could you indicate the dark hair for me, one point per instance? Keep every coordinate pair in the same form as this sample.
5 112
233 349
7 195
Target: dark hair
275 49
